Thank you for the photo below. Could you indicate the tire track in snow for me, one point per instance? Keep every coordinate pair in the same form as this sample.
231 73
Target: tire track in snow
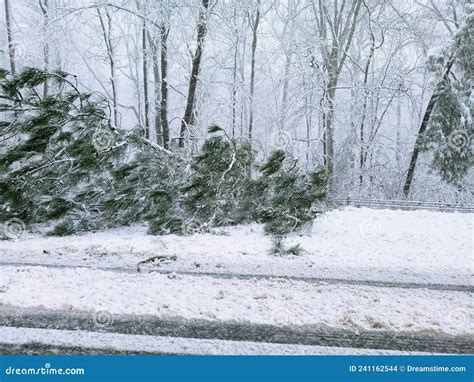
38 348
239 276
238 331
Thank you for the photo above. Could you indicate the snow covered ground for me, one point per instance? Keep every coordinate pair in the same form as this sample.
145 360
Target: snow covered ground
273 302
353 243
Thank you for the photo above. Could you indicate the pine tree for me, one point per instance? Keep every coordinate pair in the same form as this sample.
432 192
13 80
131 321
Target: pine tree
450 132
219 181
62 163
51 147
293 200
150 187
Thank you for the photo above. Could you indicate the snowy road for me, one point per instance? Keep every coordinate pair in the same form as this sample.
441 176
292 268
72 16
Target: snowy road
52 328
315 317
234 331
256 301
368 279
50 341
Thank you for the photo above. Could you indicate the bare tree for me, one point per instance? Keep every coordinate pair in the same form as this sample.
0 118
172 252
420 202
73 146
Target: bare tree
11 46
254 26
373 47
189 113
294 65
106 27
146 100
44 5
155 58
234 73
336 30
159 51
164 32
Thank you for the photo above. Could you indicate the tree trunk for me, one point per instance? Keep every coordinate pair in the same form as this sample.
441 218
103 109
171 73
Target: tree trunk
189 114
284 98
11 46
398 157
309 120
157 89
106 33
423 126
329 131
145 80
234 84
252 69
364 112
44 5
164 86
